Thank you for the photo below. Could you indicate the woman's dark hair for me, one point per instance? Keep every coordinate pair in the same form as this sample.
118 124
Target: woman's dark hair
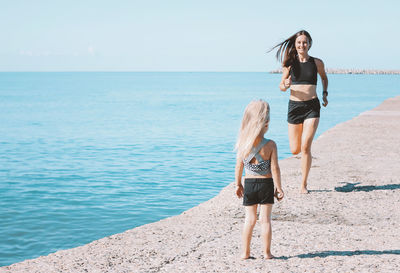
287 52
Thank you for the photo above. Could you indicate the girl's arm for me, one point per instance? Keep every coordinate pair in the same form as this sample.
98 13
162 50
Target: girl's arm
276 171
321 71
286 80
238 178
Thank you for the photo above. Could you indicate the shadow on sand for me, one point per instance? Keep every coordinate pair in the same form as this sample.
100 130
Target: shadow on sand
324 254
350 187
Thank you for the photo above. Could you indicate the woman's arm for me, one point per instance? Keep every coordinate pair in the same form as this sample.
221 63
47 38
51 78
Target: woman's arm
321 71
238 178
286 79
276 171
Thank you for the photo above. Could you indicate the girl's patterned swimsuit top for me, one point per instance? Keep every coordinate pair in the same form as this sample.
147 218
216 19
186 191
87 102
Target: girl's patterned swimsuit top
263 167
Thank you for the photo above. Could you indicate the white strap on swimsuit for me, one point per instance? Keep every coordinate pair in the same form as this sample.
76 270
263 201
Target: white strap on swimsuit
263 167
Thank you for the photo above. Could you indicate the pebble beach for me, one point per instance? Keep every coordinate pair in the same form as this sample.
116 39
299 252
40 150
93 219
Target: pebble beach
348 223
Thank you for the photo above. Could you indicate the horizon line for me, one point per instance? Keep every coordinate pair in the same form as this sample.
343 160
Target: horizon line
273 71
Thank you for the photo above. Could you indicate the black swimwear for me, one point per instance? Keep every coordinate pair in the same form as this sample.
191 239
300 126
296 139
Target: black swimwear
258 191
304 73
298 111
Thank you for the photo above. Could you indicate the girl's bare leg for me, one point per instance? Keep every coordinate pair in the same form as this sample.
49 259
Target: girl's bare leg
249 223
266 229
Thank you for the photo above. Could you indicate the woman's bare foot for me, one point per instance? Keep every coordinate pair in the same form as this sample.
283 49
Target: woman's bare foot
245 256
304 190
268 256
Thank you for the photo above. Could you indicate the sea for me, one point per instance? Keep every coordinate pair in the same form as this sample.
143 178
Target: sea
84 155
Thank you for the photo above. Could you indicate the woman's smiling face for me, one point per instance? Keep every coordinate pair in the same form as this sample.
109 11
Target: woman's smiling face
302 44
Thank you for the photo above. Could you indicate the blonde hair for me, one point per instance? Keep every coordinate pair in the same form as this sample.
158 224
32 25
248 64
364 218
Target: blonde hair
255 117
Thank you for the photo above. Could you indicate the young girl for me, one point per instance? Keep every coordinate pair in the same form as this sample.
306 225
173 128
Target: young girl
259 157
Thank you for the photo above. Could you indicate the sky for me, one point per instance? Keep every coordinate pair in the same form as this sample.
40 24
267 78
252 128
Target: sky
188 35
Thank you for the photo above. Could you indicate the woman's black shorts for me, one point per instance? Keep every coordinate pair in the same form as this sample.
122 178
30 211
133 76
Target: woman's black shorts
258 191
298 111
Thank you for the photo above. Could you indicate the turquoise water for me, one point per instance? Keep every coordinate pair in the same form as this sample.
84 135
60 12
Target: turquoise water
87 155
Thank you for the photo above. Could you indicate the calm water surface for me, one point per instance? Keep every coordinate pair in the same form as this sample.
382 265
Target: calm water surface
87 155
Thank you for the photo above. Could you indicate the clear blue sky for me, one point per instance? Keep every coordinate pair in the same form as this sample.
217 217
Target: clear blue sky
186 35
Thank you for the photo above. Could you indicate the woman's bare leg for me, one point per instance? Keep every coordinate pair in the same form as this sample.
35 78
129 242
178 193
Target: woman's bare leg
309 128
295 132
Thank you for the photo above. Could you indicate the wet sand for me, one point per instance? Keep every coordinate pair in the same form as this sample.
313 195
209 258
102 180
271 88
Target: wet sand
350 221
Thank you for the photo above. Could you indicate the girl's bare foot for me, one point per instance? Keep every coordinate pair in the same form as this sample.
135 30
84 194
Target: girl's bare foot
245 256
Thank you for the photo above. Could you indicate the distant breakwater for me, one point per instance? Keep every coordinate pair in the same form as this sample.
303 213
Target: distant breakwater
352 71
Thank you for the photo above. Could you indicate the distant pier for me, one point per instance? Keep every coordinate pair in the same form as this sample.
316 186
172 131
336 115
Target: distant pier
352 71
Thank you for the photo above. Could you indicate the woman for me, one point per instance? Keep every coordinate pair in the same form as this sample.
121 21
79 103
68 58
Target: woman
259 157
299 73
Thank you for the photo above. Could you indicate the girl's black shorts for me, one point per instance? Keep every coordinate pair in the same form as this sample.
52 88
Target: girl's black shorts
298 111
258 191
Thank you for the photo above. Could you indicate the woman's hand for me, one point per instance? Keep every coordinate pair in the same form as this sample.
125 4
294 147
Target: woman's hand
239 191
325 99
286 79
279 194
288 82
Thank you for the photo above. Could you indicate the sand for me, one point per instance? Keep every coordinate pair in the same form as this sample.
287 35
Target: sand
348 223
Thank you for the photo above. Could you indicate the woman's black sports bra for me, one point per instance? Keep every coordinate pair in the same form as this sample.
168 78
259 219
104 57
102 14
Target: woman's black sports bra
304 73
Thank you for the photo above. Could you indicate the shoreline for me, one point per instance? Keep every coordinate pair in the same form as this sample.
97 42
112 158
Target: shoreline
345 224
